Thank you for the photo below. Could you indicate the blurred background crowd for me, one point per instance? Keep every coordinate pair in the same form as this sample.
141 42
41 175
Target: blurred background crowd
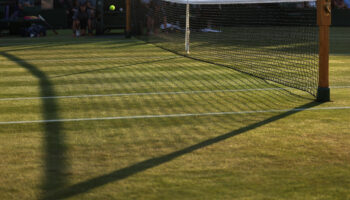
81 15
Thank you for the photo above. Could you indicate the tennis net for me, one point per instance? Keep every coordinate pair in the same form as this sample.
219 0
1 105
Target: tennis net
276 40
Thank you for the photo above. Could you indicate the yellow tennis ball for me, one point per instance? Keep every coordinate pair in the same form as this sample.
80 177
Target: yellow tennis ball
112 7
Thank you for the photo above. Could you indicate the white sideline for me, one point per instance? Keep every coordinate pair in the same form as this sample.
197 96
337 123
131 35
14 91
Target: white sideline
150 93
171 115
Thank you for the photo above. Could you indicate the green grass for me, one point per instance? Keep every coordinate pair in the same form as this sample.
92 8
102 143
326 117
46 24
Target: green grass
270 155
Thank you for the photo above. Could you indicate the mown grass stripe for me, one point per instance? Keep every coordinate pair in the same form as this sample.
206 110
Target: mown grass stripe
151 93
90 58
140 94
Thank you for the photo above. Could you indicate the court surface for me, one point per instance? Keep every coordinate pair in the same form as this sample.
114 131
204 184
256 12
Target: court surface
115 118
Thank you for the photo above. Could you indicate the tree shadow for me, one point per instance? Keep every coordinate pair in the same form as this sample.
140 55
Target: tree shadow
55 163
126 172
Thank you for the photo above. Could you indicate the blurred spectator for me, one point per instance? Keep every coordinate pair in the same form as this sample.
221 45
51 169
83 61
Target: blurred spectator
148 4
311 4
82 19
347 3
339 4
306 5
155 14
35 30
18 11
91 4
25 3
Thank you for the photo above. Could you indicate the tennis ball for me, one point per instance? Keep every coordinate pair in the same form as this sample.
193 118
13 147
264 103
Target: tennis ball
112 7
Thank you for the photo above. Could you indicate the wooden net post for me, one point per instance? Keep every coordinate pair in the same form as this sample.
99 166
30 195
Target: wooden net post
323 21
128 19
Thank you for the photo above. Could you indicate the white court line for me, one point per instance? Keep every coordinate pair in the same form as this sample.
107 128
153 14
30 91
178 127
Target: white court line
151 93
171 115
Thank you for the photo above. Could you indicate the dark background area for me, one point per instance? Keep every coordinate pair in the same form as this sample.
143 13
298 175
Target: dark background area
59 18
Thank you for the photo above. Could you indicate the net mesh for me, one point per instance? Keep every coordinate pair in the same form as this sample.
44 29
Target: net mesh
272 41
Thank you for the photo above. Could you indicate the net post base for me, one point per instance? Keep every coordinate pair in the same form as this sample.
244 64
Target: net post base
323 94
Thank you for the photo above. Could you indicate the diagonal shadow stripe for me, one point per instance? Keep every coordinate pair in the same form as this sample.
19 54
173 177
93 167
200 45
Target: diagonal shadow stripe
55 163
123 173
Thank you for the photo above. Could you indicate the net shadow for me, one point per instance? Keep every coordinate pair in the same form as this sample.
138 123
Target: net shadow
126 172
149 85
55 149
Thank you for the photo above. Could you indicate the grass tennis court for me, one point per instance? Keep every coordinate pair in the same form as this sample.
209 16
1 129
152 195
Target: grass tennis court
115 118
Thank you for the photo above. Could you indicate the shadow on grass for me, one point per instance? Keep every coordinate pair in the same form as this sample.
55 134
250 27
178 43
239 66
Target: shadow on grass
55 163
107 68
123 173
39 44
55 180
